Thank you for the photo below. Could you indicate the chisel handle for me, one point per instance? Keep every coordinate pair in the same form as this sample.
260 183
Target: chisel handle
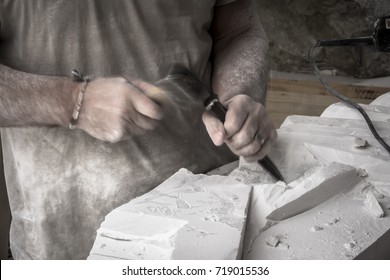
214 106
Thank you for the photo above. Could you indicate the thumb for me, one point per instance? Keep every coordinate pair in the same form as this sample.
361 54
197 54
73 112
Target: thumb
215 128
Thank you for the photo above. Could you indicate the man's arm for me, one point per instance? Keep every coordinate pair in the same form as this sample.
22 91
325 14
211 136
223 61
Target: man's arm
112 109
28 99
240 52
240 73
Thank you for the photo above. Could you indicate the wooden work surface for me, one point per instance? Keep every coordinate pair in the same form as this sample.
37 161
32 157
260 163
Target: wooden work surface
294 94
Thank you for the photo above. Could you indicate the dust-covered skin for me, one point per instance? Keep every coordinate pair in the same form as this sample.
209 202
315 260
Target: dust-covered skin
113 109
239 79
29 99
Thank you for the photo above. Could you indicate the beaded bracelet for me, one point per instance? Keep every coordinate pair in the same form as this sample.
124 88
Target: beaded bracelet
77 76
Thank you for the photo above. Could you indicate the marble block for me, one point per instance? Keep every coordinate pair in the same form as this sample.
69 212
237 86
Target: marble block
186 217
341 110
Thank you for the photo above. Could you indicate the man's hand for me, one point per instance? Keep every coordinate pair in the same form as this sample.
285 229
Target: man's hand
113 109
247 130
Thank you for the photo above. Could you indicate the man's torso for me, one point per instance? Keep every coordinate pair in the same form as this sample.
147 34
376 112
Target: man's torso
62 183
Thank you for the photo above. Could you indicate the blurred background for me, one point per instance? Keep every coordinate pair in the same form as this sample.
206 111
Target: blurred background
294 26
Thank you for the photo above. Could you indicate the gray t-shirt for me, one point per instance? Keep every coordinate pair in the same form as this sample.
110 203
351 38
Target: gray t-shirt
61 183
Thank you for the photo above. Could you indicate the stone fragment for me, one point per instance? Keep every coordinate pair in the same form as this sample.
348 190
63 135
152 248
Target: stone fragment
349 246
278 242
370 188
373 205
359 142
316 228
332 222
272 241
283 246
313 189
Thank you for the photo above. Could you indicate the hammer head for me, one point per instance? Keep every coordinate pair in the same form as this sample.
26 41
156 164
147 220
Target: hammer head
182 87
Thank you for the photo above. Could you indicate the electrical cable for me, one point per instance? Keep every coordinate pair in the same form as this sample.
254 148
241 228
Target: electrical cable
345 99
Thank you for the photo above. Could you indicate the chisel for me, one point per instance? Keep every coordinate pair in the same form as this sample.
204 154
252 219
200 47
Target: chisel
190 84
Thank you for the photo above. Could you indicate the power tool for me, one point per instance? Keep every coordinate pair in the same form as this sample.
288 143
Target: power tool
380 38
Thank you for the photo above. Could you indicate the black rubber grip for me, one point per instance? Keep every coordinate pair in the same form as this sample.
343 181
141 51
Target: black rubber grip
219 111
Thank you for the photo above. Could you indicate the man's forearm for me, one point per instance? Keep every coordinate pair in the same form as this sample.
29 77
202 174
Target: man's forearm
29 99
240 53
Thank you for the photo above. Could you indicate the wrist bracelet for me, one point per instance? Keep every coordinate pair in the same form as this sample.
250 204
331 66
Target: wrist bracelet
77 76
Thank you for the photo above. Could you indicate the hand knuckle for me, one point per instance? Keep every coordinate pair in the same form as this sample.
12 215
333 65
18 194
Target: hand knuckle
231 127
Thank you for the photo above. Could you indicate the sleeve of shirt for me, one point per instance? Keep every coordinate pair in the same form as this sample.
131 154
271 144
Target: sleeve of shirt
223 2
